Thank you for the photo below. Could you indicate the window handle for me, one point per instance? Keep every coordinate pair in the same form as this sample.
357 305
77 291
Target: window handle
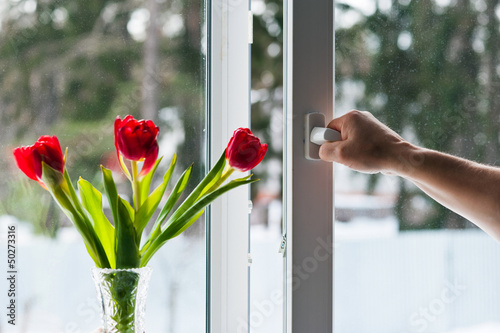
316 134
320 135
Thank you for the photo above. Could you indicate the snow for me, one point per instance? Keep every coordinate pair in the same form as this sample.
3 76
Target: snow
56 293
366 228
484 328
383 278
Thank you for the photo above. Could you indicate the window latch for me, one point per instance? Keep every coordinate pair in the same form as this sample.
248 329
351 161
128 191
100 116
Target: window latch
282 248
316 134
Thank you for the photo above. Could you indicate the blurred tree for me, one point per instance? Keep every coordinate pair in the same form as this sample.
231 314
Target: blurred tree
267 95
428 71
68 67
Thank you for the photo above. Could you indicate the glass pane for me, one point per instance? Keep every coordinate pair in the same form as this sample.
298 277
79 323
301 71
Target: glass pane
266 272
430 70
68 68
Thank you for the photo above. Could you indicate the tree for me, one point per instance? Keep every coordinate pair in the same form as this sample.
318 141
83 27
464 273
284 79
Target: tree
70 66
423 67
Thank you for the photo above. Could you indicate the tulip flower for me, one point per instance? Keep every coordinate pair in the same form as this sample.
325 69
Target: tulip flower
136 140
120 244
29 158
244 150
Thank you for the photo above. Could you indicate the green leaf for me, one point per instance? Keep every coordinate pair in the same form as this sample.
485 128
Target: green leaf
92 202
145 183
113 197
122 216
178 224
62 194
189 223
70 187
217 176
127 250
78 221
174 229
129 208
149 206
111 192
210 179
179 187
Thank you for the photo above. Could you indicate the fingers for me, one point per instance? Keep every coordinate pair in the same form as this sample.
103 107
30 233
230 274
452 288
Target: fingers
338 151
367 144
330 152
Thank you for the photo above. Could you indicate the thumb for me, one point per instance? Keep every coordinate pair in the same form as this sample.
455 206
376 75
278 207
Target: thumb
337 124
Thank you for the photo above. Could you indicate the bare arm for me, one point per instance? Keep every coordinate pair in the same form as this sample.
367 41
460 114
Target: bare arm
468 188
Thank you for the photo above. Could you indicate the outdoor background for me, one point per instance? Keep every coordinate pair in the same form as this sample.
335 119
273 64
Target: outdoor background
68 68
430 69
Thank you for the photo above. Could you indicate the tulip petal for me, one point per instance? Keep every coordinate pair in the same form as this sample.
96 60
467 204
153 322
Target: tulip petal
47 150
50 150
118 123
244 150
150 159
28 159
136 140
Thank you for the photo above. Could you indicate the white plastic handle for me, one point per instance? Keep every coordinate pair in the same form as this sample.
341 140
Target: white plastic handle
320 135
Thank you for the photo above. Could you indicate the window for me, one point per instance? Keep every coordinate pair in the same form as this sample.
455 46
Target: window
67 69
266 270
403 263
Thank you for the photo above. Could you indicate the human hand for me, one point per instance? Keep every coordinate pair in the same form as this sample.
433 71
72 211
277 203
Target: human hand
99 330
367 145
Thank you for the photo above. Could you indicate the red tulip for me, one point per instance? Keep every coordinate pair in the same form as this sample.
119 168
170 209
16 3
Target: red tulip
244 150
136 140
29 158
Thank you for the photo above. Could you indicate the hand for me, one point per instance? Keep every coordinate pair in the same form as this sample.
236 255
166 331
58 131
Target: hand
99 330
468 188
367 145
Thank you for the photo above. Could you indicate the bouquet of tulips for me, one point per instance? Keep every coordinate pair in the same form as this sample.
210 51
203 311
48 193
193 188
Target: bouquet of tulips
120 245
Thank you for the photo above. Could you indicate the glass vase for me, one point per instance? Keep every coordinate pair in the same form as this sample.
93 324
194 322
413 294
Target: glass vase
122 294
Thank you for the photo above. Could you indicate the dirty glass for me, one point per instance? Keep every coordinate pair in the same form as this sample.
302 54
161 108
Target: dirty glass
266 270
68 68
430 70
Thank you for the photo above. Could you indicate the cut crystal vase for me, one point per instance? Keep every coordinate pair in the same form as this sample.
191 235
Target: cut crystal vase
122 296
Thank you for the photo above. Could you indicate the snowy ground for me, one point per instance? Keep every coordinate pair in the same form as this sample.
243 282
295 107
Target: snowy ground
384 280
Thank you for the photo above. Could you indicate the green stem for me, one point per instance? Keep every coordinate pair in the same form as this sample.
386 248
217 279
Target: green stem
135 186
123 289
225 175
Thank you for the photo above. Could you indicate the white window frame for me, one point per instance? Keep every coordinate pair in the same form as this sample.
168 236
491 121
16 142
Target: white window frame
308 185
229 102
309 211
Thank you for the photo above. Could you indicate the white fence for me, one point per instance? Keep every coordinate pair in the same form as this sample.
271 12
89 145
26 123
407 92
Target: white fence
412 282
432 281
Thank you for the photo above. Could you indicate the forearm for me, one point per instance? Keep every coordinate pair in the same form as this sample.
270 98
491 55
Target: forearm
468 188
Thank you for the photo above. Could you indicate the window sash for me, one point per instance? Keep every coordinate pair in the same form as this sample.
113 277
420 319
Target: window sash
229 91
308 193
